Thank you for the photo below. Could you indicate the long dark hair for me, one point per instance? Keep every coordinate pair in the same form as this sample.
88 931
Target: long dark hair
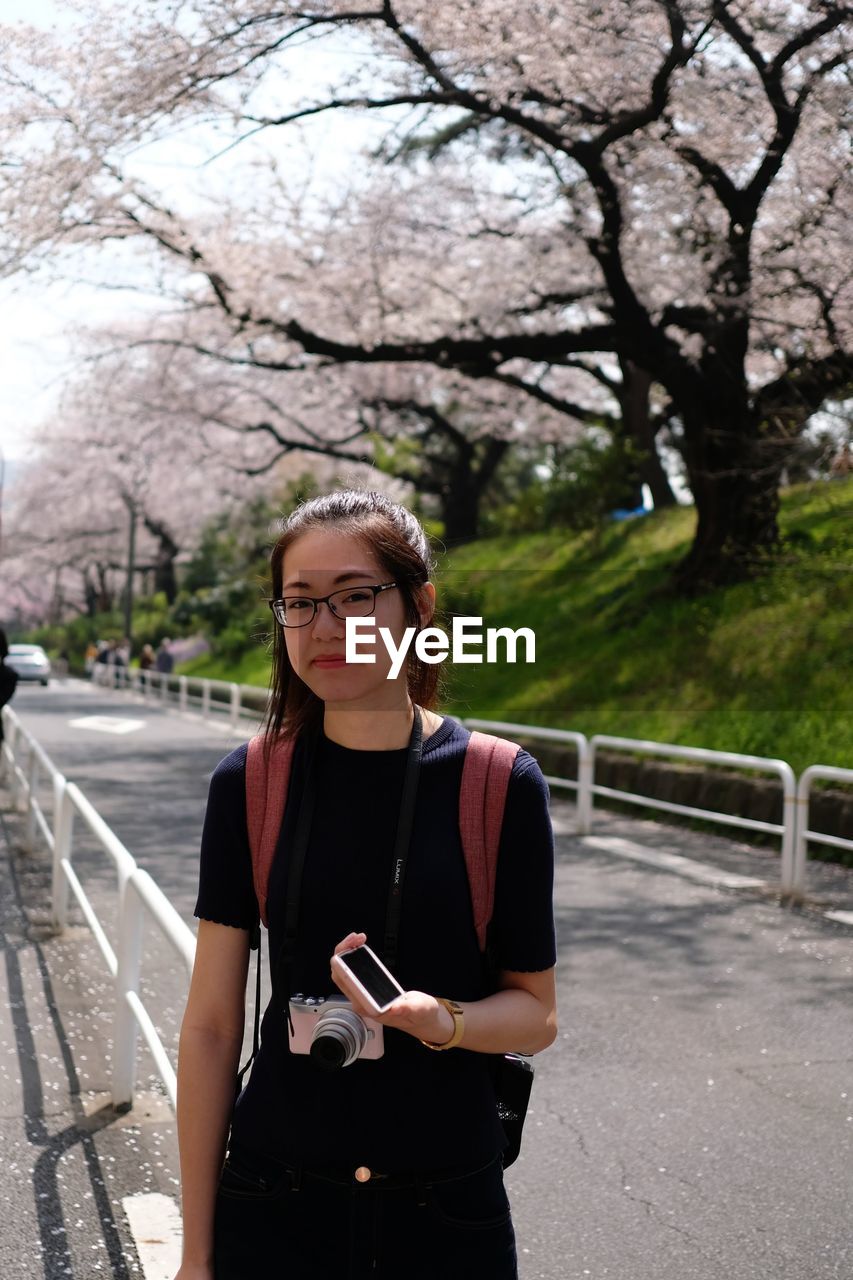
400 544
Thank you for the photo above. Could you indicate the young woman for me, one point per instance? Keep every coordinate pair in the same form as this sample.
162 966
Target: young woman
389 1168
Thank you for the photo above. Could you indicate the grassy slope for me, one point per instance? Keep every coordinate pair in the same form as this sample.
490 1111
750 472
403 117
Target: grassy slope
762 667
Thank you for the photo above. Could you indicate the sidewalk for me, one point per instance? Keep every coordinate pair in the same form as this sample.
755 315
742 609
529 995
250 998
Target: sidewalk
70 1159
829 885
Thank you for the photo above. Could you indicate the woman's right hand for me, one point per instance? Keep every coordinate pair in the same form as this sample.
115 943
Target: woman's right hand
195 1271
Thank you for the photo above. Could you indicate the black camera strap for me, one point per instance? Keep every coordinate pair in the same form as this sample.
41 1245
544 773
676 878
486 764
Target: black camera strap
299 851
402 841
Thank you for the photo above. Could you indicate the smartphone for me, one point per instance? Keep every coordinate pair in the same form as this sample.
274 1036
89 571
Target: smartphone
376 984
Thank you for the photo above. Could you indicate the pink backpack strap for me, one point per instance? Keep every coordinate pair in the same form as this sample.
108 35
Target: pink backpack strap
267 779
482 797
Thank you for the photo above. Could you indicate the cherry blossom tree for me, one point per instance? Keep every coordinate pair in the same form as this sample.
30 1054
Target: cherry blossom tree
107 462
439 432
565 195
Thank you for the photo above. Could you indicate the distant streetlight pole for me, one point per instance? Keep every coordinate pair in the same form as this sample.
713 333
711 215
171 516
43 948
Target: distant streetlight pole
131 567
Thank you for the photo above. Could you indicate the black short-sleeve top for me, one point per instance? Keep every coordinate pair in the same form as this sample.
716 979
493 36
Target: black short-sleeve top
412 1108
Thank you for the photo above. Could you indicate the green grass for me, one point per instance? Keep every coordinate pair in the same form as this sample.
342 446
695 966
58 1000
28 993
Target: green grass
762 667
253 668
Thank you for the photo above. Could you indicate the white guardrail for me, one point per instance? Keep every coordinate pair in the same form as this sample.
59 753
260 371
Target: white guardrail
793 829
215 699
238 701
830 774
26 766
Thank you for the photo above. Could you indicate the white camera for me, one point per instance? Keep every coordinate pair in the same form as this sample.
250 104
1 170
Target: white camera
331 1032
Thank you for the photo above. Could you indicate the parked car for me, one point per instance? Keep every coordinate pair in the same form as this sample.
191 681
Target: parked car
30 661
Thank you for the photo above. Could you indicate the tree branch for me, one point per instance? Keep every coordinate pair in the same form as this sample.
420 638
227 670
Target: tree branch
590 417
438 422
802 388
628 122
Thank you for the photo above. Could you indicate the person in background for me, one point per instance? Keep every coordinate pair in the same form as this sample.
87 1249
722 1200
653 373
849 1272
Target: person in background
146 658
165 661
116 659
8 677
90 657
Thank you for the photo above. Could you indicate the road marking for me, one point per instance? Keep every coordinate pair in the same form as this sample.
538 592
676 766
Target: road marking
843 917
107 724
672 862
155 1224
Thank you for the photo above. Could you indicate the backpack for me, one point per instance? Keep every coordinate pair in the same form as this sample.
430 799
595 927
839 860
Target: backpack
482 796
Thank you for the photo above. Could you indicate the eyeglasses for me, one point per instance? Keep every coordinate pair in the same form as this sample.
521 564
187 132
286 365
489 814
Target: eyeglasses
349 602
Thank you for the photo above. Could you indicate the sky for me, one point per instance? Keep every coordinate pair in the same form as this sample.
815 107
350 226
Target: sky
36 320
36 324
39 319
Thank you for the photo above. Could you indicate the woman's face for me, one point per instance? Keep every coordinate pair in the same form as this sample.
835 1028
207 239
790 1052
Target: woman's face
317 563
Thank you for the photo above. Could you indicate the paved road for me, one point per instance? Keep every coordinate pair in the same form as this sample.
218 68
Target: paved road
693 1122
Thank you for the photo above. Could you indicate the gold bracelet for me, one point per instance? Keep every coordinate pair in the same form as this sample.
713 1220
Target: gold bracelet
455 1011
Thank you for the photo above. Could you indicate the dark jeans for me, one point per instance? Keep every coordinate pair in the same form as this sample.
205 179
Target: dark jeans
275 1223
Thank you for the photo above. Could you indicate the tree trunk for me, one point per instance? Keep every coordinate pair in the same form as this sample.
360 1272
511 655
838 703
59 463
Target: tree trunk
165 578
105 594
90 593
735 485
460 510
634 400
470 476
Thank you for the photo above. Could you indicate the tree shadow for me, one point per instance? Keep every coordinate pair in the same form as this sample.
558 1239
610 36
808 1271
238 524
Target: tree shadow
694 953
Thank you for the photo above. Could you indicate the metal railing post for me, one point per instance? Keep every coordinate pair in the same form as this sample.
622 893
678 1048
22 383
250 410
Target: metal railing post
591 771
586 763
63 835
182 692
235 705
800 841
17 774
32 786
10 748
804 833
793 871
205 699
7 750
129 957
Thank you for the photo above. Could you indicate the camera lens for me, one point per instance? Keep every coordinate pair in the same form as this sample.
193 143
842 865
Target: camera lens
338 1039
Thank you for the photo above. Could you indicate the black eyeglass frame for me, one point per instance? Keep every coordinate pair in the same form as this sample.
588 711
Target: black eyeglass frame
316 601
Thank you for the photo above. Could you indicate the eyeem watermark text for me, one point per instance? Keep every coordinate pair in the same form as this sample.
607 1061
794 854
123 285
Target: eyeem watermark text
433 645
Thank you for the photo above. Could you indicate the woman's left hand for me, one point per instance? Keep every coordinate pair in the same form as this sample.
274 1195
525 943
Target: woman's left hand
415 1012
